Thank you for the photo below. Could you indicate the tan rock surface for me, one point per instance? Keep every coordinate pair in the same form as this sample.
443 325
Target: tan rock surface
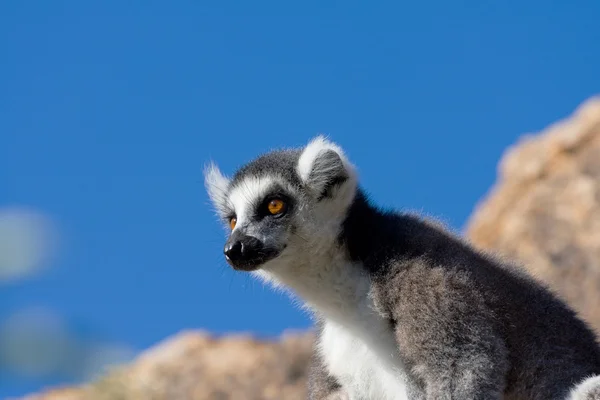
58 394
544 211
194 365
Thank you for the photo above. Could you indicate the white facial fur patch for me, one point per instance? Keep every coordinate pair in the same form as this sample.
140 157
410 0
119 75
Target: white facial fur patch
306 164
247 193
589 389
216 186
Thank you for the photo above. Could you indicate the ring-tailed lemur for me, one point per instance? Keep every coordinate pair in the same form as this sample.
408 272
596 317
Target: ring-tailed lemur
404 309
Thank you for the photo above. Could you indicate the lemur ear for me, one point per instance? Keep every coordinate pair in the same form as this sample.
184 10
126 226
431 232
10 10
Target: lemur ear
323 166
216 185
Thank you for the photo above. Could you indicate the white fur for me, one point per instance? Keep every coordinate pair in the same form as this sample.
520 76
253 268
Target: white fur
360 367
216 186
246 193
357 344
584 390
307 163
329 212
309 155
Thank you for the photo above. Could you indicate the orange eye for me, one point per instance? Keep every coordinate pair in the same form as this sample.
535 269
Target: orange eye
276 206
232 222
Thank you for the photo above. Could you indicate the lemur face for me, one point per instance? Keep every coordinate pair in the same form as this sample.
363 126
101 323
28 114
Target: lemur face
278 206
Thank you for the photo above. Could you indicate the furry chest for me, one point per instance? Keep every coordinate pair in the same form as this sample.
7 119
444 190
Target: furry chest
366 364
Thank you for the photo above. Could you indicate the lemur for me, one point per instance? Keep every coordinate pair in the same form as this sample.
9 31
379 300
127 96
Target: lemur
404 308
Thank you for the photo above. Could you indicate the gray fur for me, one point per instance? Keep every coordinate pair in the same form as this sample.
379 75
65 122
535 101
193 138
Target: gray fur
280 162
464 324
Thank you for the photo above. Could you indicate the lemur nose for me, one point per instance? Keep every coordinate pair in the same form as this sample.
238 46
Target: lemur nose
244 252
234 251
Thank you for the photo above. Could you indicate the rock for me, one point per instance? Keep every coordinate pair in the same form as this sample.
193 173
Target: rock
195 365
58 394
544 211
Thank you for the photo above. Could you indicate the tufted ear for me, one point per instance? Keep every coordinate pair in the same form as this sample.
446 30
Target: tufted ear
323 166
216 186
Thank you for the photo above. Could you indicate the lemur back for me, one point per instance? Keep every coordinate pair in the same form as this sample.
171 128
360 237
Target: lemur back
404 309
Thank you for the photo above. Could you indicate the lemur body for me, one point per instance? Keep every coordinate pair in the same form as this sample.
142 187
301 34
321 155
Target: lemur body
404 309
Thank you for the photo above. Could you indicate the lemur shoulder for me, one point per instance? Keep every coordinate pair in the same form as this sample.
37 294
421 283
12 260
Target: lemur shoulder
404 309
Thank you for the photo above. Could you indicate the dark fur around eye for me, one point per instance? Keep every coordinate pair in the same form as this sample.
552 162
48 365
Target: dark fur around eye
263 208
228 217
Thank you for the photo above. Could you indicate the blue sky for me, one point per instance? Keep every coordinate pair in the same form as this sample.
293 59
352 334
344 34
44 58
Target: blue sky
109 110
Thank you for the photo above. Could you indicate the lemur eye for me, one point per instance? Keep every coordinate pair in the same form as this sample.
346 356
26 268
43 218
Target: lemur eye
276 206
232 222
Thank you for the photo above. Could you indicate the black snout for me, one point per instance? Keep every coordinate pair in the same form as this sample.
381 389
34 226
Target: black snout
245 252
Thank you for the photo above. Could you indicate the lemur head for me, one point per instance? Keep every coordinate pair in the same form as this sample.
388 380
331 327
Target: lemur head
284 205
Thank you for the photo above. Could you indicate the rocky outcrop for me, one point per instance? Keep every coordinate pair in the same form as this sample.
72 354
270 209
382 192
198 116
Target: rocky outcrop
195 365
544 211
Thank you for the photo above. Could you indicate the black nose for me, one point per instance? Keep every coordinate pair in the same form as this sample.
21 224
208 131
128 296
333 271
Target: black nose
233 251
244 252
